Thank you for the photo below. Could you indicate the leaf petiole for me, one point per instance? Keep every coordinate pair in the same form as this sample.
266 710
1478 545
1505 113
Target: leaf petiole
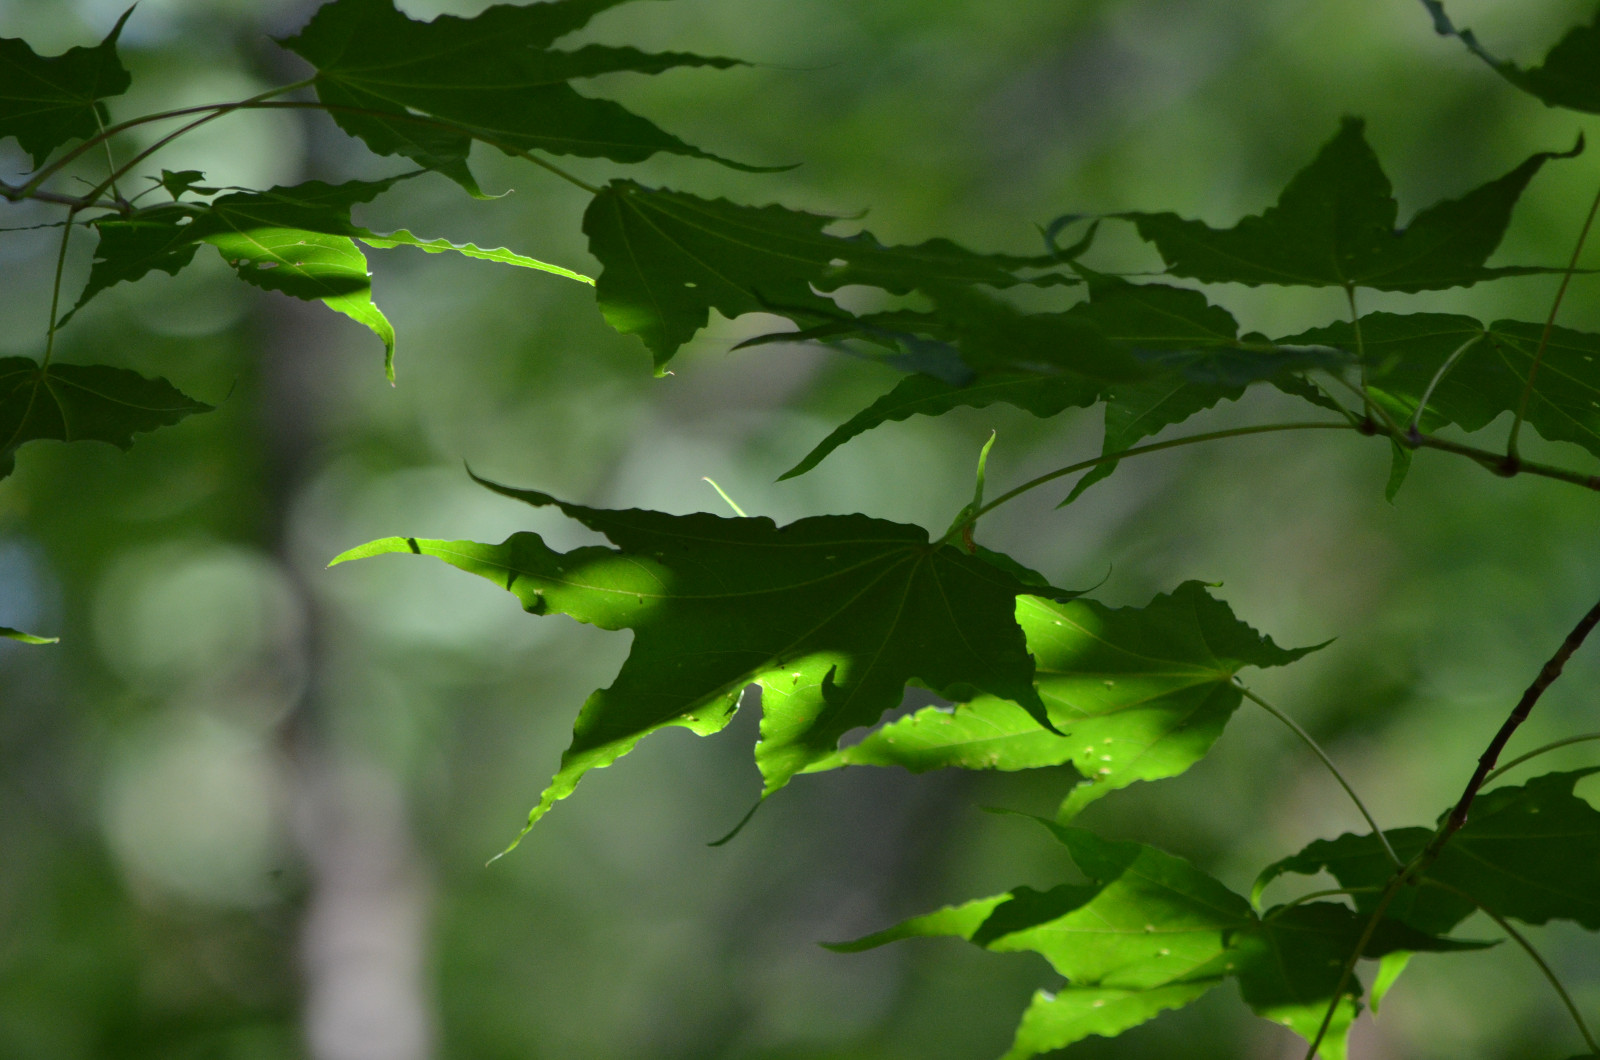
1527 947
1536 752
1544 338
1138 450
723 494
1317 750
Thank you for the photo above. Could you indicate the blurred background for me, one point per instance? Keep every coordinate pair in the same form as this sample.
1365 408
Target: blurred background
246 803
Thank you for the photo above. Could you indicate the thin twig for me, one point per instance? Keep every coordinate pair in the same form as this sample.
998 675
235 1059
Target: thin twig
1317 750
1527 947
1414 429
1486 761
1384 900
30 189
1138 450
55 293
1536 752
1544 338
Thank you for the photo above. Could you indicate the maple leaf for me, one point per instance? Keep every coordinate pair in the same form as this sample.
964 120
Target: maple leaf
831 616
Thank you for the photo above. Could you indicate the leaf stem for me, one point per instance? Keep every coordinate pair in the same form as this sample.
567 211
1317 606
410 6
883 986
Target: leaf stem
1316 749
1527 947
1138 450
558 171
1384 901
723 494
30 190
1536 752
1414 428
55 292
1361 350
1544 338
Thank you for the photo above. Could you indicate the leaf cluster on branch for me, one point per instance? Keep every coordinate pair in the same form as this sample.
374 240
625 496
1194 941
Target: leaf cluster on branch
832 617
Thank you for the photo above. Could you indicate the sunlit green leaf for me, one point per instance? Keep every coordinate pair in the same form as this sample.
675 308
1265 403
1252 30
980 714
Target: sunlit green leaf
297 240
501 255
26 638
46 101
831 616
1335 225
1150 932
426 90
1568 77
82 402
1139 693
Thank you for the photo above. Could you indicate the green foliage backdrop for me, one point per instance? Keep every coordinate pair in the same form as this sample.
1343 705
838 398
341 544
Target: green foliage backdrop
247 798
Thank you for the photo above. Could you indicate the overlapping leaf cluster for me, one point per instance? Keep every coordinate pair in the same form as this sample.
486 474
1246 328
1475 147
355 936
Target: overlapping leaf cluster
832 617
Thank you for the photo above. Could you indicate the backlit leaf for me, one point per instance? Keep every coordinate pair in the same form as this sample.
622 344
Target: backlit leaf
1334 225
1568 77
1138 693
1155 354
26 638
426 90
669 258
831 616
1405 353
297 240
1530 852
82 402
46 101
1150 932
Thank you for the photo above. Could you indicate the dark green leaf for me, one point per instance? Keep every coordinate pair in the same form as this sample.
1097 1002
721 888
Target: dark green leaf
831 616
1138 694
1568 77
1405 353
1289 964
1334 225
46 101
177 183
1156 354
74 403
922 395
27 638
669 258
426 90
1199 345
1531 853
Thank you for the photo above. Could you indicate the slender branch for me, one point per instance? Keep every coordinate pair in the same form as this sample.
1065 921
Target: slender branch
111 163
13 193
1497 463
1549 325
1316 749
55 293
1414 428
1384 901
1138 450
1536 752
1527 947
558 171
30 189
1486 762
